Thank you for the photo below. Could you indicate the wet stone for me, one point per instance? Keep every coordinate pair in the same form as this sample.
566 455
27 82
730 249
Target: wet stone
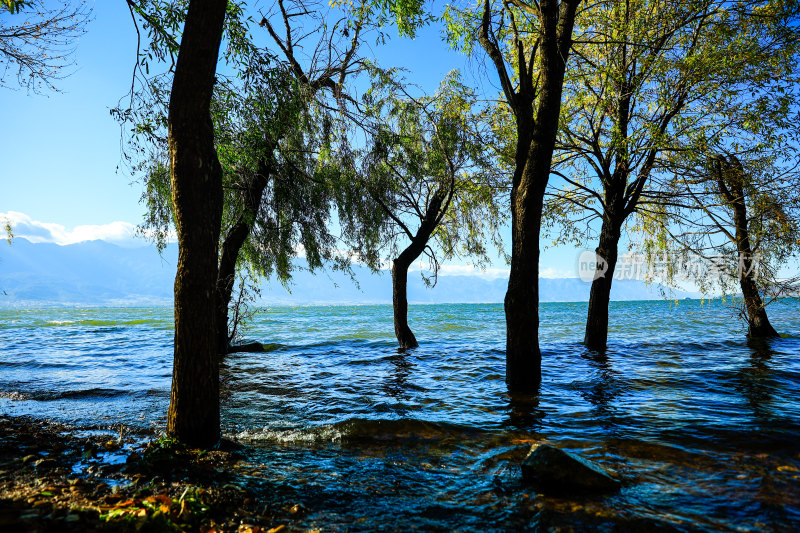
555 470
43 464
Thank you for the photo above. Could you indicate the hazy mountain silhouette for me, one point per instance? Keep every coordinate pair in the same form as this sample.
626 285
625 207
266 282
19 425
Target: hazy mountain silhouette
97 273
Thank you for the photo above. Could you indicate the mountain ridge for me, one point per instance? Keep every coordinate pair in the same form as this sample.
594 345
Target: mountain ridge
102 274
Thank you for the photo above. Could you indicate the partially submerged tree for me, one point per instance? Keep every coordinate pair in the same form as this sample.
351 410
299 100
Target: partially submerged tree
196 185
736 223
528 44
38 42
651 81
428 170
730 176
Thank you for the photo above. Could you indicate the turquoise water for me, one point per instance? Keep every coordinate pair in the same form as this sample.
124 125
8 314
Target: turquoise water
702 424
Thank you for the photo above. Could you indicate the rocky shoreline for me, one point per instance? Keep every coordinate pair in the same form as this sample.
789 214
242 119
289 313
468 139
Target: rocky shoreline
55 478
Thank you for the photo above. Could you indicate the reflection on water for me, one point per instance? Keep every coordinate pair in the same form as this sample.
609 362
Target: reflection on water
755 381
701 423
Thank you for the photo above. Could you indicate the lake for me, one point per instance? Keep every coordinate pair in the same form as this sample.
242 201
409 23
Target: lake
702 424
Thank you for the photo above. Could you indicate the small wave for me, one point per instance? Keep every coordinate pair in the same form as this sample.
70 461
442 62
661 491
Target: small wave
14 396
322 434
90 393
359 430
43 396
137 322
38 365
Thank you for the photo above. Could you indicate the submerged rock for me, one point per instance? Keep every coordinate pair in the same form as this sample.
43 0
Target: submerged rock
252 347
556 470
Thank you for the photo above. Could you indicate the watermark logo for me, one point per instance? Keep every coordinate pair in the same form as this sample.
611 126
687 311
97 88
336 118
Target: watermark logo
591 266
679 267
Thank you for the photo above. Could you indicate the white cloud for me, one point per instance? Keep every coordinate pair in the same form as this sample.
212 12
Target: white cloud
556 273
120 233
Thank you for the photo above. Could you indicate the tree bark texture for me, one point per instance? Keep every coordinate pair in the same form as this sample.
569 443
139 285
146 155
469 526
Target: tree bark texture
231 247
730 177
193 416
536 137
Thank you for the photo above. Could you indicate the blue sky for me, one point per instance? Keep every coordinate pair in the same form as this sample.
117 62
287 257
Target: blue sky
61 151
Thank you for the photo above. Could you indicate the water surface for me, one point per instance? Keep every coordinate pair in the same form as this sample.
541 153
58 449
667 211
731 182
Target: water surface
700 422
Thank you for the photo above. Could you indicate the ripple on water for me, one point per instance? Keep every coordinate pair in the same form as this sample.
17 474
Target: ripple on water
701 423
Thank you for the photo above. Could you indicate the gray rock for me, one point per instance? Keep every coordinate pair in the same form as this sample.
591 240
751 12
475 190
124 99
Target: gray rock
554 470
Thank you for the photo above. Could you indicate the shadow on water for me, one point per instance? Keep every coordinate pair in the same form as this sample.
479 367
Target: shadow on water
755 382
524 413
604 388
396 383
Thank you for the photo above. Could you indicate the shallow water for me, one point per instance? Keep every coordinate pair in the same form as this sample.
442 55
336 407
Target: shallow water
703 425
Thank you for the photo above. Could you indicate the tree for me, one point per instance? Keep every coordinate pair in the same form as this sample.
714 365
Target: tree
528 44
651 82
730 177
37 44
196 186
269 116
737 218
196 180
9 230
428 170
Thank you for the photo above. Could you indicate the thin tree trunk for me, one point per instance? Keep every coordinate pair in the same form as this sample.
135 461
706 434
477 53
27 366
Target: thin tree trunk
403 333
434 211
231 247
730 177
596 335
193 416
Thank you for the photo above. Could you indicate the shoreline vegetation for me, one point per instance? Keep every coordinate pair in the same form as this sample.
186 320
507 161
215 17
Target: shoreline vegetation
54 478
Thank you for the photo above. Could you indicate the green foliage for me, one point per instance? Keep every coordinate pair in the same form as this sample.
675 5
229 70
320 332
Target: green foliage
751 118
652 91
13 6
461 27
9 231
272 120
425 157
407 15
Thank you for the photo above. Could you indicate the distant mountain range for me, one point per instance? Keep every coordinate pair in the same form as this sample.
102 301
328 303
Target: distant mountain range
97 273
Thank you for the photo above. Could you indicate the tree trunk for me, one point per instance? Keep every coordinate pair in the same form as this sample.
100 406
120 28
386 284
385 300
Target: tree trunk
193 416
439 202
403 333
757 321
523 358
730 177
597 319
231 247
